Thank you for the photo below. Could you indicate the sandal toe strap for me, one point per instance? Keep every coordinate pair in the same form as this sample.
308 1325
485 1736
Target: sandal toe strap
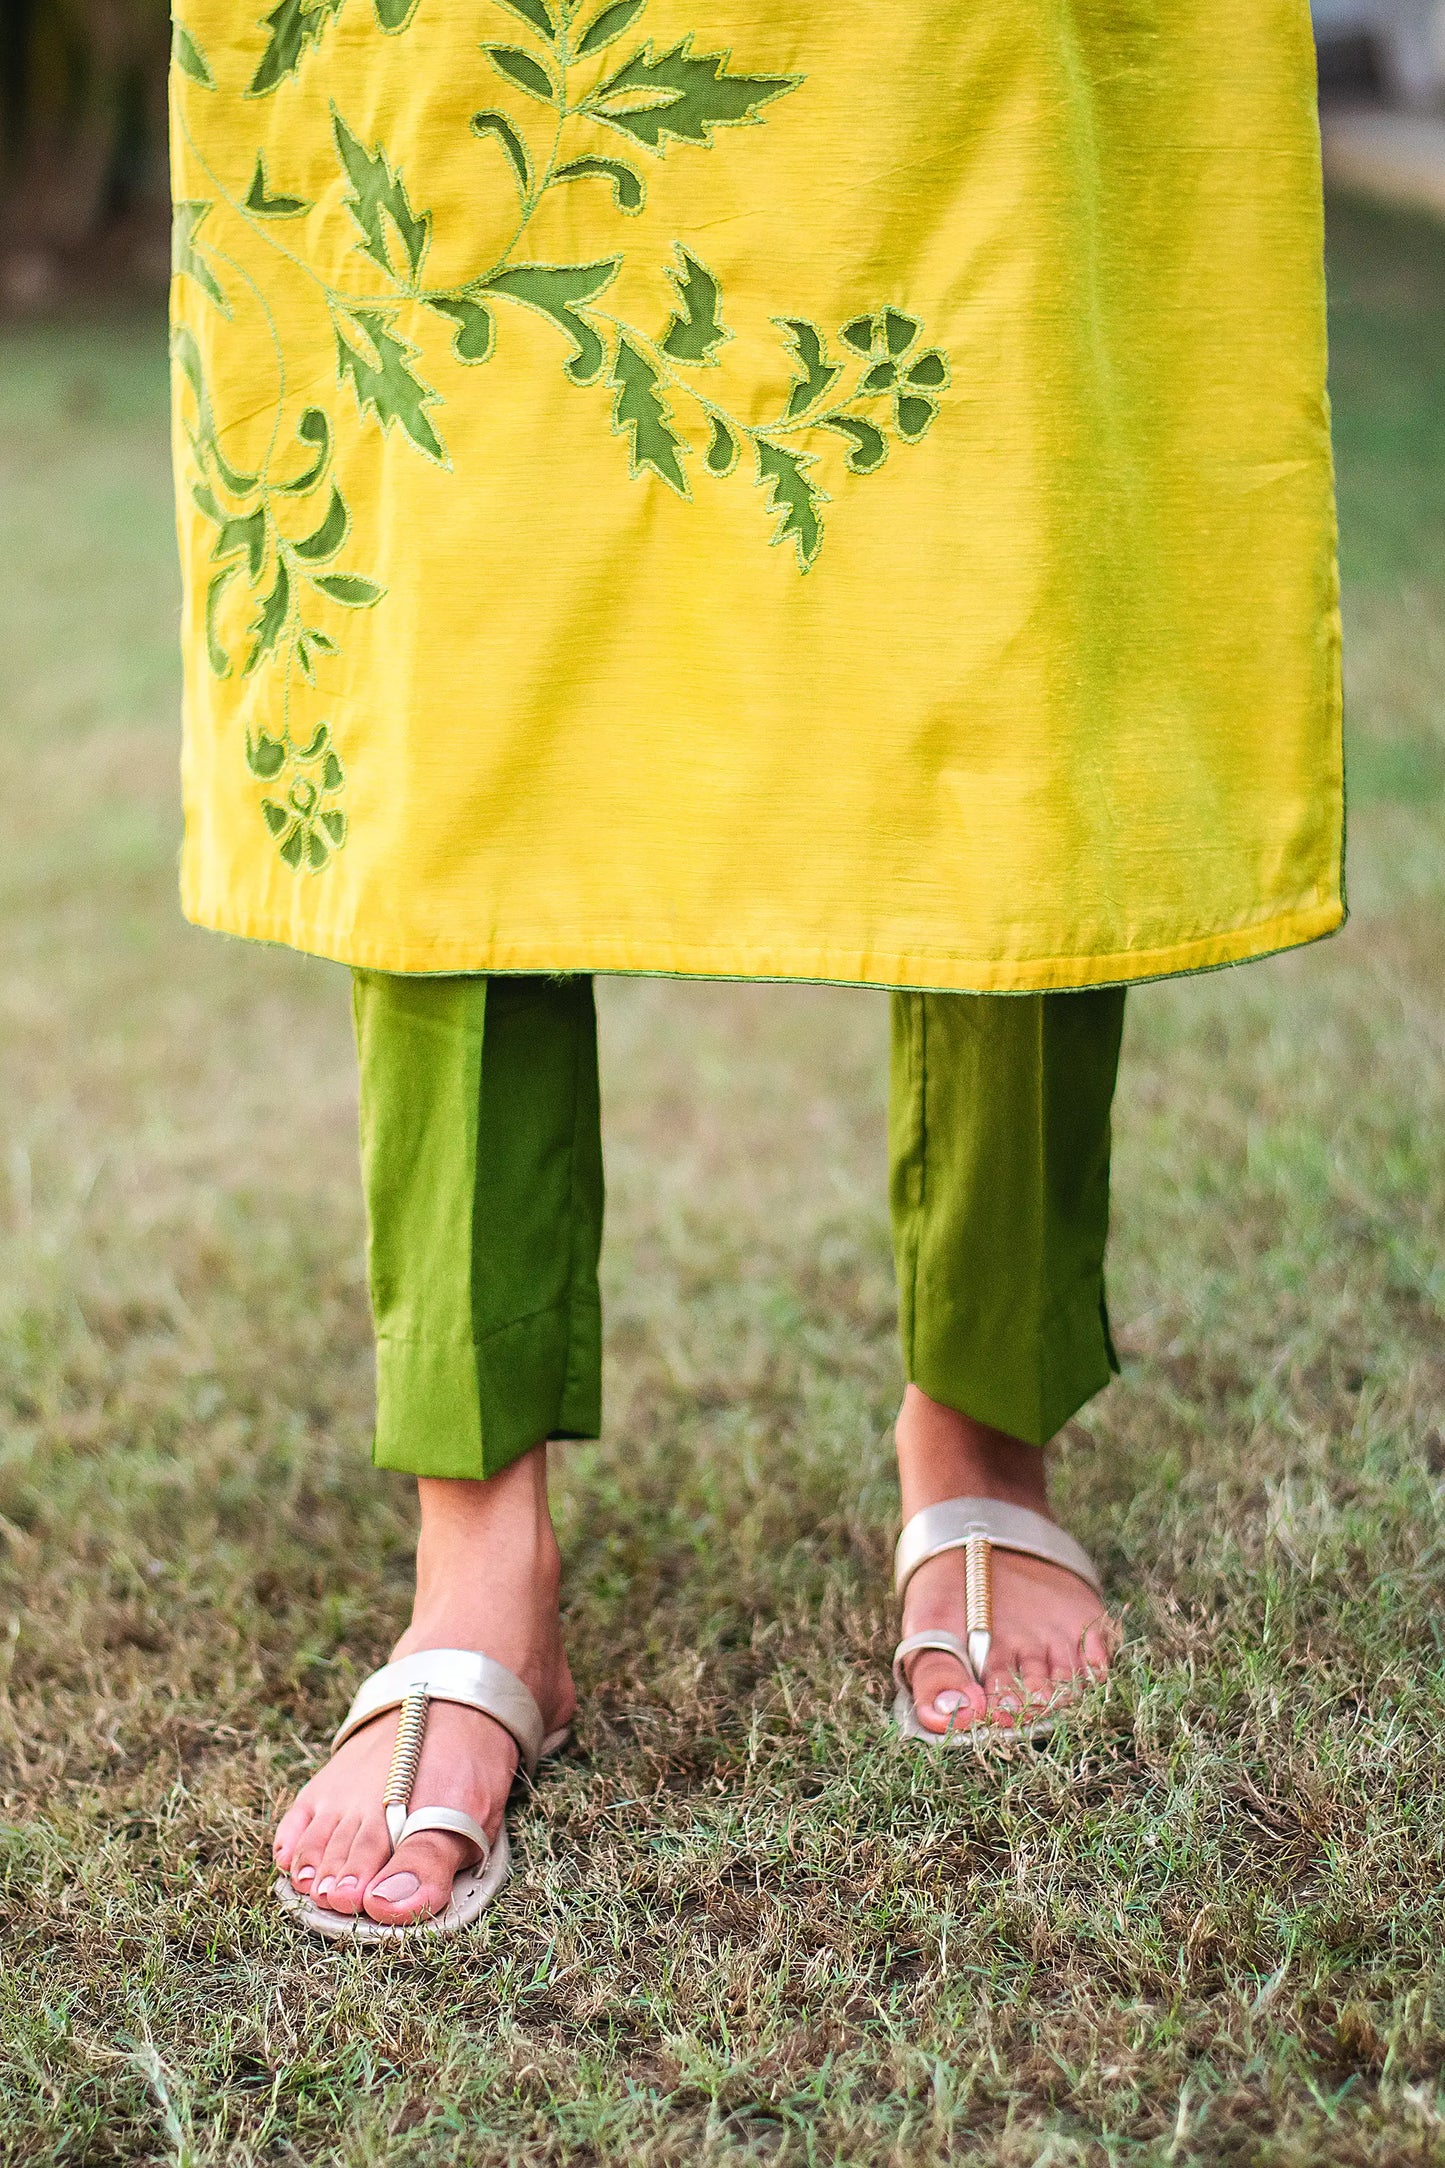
451 1820
945 1643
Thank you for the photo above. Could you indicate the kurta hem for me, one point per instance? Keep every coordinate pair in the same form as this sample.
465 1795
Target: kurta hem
941 972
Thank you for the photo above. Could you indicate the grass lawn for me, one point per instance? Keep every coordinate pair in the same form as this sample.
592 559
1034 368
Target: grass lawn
1204 1925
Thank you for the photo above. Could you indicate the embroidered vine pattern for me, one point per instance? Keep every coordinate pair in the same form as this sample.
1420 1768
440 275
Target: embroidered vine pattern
875 381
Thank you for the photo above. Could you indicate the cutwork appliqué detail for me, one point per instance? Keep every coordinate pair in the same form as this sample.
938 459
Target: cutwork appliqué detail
571 78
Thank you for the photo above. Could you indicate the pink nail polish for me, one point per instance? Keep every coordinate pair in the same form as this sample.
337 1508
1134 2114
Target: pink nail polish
397 1888
323 1886
947 1703
304 1874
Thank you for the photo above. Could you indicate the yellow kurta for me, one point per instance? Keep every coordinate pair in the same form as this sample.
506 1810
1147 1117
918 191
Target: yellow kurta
779 488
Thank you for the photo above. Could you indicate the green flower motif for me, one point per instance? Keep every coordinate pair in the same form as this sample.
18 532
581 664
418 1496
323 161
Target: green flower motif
306 825
886 340
275 562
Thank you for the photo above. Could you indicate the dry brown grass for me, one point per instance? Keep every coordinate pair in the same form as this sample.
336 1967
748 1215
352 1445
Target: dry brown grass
1204 1926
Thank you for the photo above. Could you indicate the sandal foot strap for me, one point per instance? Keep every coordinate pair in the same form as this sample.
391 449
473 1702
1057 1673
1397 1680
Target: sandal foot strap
459 1675
951 1525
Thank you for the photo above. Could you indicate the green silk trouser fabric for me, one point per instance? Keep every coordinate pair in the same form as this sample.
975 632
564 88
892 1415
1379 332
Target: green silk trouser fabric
481 1155
482 1163
998 1180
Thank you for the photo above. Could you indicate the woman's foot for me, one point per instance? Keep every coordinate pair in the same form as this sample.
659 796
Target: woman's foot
1048 1629
488 1575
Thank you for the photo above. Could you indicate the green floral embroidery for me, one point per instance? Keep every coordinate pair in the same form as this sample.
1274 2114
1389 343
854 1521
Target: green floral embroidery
307 823
872 383
189 58
254 516
296 26
912 385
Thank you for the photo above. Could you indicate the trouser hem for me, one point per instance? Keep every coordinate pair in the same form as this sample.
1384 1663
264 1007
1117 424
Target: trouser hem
467 1409
984 1395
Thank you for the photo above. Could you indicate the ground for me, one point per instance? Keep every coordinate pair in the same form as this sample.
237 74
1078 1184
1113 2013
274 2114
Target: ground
1204 1925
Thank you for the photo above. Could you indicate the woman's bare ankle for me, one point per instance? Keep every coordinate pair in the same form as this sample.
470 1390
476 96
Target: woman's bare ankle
487 1561
943 1454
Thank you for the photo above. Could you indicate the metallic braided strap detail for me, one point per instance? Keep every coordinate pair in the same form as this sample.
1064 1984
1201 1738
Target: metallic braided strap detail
405 1760
978 1599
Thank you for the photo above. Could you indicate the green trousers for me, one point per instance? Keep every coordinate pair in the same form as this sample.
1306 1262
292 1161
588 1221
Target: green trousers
482 1162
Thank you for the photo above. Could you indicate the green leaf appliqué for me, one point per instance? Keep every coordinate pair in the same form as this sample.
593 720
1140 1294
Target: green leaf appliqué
785 475
639 411
560 291
388 385
607 26
537 13
189 58
265 755
260 200
721 455
627 188
473 338
314 431
271 622
187 260
294 27
349 589
379 195
520 68
697 331
928 373
869 445
324 541
498 125
216 655
817 372
243 537
914 417
682 94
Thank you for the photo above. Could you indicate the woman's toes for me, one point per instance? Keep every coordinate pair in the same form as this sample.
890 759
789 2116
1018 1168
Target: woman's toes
289 1831
1064 1673
1098 1648
369 1852
1036 1680
1003 1686
416 1881
332 1863
945 1697
309 1851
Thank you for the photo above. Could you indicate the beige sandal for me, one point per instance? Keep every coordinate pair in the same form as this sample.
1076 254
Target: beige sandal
411 1684
978 1526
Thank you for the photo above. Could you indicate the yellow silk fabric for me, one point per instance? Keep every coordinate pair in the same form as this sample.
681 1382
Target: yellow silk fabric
1050 697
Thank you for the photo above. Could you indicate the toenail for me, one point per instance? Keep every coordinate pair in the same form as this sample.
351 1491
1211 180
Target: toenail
947 1703
348 1881
397 1888
329 1882
1008 1703
304 1874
